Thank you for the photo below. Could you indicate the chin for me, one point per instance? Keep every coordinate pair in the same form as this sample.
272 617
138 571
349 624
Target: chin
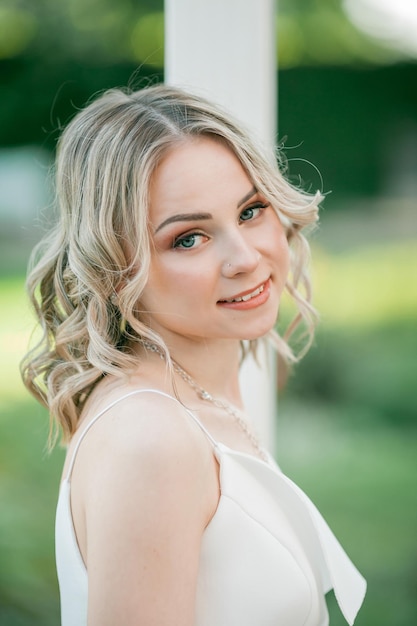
263 327
259 333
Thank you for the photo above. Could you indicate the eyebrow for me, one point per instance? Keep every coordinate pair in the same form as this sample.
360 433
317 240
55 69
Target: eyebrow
196 217
249 195
185 217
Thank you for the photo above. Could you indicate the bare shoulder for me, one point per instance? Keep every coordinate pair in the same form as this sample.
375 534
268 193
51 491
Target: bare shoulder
146 486
146 439
145 428
145 453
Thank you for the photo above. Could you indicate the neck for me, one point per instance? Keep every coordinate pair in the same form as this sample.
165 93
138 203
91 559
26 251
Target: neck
213 366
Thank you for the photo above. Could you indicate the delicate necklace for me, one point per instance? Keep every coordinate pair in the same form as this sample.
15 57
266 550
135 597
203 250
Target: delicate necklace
205 395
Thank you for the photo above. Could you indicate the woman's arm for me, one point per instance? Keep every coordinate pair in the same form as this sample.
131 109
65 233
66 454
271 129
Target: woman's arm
150 488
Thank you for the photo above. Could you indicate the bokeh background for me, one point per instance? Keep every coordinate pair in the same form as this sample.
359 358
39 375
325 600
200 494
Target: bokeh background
347 117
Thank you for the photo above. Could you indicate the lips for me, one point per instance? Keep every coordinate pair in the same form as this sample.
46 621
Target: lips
245 295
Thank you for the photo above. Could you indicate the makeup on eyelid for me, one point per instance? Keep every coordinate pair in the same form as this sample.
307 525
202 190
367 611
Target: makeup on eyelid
201 216
176 239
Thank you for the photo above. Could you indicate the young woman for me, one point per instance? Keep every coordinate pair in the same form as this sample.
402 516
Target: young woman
175 241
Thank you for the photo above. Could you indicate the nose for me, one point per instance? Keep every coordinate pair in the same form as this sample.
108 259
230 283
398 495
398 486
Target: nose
240 256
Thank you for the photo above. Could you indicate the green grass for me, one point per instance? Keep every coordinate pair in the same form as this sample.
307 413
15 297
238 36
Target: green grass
363 479
16 325
366 287
28 489
28 480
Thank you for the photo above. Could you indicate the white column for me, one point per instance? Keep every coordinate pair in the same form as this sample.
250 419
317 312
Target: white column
225 50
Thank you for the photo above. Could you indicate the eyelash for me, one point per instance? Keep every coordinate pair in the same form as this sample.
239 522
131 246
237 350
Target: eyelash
257 205
179 240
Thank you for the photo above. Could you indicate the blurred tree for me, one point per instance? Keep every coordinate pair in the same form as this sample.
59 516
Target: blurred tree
318 32
344 120
100 30
55 54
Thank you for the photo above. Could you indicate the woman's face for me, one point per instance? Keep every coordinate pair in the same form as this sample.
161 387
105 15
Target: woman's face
220 255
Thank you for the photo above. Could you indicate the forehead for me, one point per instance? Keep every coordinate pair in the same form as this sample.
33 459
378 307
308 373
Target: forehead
194 174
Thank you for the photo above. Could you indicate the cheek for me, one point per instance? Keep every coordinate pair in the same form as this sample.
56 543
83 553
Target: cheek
285 256
281 252
177 276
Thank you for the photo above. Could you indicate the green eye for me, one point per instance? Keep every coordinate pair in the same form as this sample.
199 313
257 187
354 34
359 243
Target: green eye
185 242
247 214
189 241
252 212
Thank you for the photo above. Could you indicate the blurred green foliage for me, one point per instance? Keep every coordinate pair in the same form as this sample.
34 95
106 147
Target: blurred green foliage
28 491
365 351
339 105
313 32
345 121
360 472
54 55
101 30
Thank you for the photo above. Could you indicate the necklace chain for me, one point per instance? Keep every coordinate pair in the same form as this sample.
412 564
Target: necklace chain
205 395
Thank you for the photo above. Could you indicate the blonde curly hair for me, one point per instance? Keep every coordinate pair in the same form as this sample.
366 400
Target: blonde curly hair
105 160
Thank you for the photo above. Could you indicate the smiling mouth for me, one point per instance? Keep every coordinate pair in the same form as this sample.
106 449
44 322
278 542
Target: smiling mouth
248 296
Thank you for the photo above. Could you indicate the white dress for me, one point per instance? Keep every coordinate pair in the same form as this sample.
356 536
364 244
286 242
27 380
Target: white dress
267 556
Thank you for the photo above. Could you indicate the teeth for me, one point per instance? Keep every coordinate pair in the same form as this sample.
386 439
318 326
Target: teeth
249 296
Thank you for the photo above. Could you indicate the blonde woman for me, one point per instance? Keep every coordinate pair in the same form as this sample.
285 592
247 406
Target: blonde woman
175 241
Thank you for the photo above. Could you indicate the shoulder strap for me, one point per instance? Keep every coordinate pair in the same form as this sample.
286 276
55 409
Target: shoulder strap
127 395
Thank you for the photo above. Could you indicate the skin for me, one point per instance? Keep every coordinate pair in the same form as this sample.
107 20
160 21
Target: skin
237 244
139 521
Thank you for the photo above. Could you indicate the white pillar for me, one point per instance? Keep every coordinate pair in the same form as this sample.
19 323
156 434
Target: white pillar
225 50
